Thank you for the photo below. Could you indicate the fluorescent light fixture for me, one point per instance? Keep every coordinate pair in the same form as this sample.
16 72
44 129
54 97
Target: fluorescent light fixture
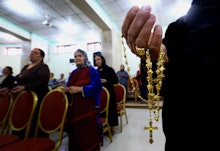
22 7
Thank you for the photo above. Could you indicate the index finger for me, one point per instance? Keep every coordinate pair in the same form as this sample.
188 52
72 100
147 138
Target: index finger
128 20
134 20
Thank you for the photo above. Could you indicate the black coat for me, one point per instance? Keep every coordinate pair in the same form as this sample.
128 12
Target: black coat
8 82
190 91
109 74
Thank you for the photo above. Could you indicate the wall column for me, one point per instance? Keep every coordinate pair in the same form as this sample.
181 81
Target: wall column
112 48
26 48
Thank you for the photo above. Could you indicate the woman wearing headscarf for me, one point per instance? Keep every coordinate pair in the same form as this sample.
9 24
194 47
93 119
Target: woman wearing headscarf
83 89
123 77
108 78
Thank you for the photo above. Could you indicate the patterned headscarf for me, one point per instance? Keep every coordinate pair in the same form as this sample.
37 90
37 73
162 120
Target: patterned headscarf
87 62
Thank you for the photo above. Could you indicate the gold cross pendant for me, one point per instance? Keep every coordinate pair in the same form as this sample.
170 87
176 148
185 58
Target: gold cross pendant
151 128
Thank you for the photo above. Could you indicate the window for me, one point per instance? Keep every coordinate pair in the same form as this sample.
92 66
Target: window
94 46
65 48
12 51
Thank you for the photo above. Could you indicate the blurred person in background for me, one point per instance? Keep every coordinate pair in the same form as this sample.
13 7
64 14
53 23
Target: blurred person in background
108 78
123 77
6 79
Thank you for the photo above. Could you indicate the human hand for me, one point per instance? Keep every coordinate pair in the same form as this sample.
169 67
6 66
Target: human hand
18 89
72 89
103 80
139 31
3 91
65 89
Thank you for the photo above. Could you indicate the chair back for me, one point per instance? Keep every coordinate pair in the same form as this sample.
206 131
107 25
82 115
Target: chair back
22 112
104 101
60 87
120 94
5 107
133 88
52 114
104 108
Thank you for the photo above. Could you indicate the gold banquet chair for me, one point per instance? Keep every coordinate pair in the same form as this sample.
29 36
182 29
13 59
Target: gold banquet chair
104 107
60 87
133 88
51 117
120 94
20 118
5 108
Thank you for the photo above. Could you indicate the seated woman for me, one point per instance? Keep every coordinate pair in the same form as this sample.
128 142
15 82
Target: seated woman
52 82
61 81
6 79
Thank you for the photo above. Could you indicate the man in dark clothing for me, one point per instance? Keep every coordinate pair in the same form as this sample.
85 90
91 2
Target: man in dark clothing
192 46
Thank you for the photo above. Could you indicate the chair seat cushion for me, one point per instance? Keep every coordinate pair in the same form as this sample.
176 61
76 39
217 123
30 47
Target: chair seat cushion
8 139
31 144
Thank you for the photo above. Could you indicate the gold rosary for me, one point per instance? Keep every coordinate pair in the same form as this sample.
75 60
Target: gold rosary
154 85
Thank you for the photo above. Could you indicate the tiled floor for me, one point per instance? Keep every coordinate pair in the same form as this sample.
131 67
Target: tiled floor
133 136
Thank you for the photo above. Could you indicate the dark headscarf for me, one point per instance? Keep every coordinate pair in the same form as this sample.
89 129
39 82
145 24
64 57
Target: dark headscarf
103 64
87 62
10 69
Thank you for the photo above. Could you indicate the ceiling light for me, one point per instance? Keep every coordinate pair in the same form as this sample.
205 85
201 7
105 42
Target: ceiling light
24 7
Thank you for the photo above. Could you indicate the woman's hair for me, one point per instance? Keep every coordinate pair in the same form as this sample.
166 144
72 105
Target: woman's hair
42 53
102 59
10 69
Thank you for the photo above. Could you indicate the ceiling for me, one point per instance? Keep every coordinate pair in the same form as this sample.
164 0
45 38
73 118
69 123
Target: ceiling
87 17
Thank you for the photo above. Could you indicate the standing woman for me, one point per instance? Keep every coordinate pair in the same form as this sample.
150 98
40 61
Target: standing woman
34 76
108 78
83 89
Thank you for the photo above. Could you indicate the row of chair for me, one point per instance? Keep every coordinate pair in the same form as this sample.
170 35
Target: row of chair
120 92
16 115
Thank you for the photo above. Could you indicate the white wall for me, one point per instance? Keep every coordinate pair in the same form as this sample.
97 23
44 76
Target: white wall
59 63
13 61
132 60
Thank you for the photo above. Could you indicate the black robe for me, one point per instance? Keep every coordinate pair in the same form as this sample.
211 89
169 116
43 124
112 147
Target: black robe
189 111
8 82
109 74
